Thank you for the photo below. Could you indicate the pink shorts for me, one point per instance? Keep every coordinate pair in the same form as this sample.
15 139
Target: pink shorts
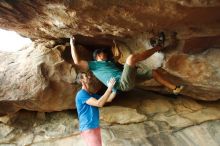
92 137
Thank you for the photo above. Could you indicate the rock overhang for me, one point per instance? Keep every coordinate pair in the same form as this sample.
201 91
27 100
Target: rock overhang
61 19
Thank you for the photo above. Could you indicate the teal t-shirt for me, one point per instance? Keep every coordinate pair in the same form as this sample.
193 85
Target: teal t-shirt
104 70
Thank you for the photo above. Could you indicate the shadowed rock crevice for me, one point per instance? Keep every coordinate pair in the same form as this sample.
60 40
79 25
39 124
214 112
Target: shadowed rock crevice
200 44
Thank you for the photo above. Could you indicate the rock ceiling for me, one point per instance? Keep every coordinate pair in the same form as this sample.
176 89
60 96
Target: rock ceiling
116 18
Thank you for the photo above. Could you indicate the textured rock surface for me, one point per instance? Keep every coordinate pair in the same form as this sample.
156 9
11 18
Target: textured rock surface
60 19
182 121
36 78
199 73
40 77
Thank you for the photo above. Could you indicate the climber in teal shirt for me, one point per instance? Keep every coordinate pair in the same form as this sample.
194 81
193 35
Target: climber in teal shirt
104 69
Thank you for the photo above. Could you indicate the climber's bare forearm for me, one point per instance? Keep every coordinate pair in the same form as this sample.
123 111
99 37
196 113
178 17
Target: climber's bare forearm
83 64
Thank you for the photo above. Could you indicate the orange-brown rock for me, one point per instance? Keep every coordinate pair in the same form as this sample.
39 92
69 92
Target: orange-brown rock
61 19
40 77
36 78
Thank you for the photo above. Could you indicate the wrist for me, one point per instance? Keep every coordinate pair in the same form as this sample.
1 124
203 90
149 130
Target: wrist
110 88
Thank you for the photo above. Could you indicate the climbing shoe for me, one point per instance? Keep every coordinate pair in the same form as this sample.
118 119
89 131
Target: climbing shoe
153 42
158 40
161 39
178 89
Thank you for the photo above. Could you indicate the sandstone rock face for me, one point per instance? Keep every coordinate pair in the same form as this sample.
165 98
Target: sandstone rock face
147 119
136 20
199 72
36 78
61 19
40 77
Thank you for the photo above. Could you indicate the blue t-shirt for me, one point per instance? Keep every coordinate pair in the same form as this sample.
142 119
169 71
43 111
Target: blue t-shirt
104 70
88 115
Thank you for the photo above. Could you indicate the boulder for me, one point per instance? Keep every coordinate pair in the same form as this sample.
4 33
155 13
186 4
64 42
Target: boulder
36 78
132 120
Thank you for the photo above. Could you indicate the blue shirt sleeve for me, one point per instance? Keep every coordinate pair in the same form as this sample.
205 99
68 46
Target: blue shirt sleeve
82 96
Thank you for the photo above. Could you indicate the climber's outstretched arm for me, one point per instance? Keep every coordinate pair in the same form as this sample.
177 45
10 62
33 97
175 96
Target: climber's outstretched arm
83 64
